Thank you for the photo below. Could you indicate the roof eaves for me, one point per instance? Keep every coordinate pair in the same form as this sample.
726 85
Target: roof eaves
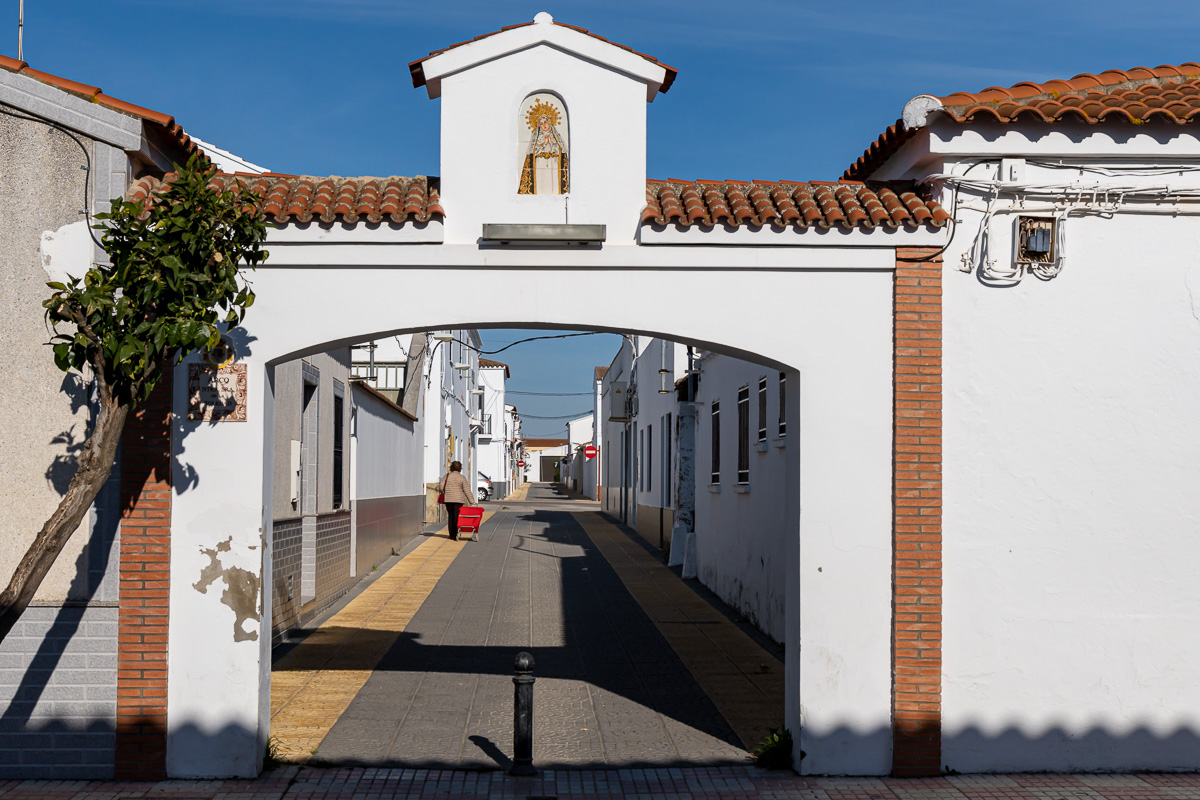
1134 96
416 68
175 134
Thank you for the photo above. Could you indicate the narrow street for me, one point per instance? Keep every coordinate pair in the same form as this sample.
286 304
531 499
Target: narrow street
613 633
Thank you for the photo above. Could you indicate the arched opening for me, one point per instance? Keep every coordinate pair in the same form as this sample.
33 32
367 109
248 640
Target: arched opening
691 677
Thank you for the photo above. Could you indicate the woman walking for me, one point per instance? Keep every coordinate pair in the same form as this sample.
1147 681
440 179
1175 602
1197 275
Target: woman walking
455 494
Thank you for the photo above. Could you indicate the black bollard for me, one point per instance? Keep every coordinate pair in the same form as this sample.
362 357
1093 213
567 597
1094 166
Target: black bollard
523 716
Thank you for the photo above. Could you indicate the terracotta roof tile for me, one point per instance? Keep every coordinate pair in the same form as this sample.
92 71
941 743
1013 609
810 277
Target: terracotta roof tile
95 95
1168 93
301 198
487 362
601 372
417 68
781 204
537 444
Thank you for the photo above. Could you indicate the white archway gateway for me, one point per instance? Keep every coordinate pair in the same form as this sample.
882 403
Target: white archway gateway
813 279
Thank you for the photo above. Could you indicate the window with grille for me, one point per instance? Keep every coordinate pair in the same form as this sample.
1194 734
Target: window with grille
649 458
743 464
641 466
338 430
782 404
762 409
716 441
666 470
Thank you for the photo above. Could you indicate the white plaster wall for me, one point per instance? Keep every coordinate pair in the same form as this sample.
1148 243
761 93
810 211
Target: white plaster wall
44 411
533 463
1072 456
613 476
741 531
389 449
652 408
447 399
493 450
481 168
579 431
218 691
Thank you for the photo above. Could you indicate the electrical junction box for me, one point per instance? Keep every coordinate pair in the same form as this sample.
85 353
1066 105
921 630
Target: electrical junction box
1012 170
618 407
1036 240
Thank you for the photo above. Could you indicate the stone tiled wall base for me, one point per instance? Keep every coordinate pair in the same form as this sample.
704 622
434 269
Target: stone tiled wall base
333 559
286 564
58 692
145 588
917 517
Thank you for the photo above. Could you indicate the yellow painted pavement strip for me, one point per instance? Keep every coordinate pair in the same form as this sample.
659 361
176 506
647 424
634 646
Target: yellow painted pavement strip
743 680
316 681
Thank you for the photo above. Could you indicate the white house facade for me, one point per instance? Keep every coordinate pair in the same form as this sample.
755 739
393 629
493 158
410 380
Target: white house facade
495 438
1020 418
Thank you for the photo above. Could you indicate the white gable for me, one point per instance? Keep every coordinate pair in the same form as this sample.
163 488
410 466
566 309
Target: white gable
601 92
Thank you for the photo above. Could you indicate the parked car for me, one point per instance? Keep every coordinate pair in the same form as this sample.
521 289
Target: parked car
484 488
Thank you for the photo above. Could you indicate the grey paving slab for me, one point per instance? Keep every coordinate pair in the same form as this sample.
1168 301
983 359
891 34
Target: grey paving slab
610 691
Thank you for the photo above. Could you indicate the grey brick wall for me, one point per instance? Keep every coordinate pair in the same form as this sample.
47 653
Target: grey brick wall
333 558
286 566
58 692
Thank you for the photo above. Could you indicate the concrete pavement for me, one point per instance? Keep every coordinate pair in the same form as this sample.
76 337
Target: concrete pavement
610 688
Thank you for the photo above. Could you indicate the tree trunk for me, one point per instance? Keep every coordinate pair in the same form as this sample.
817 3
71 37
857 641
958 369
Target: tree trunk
95 464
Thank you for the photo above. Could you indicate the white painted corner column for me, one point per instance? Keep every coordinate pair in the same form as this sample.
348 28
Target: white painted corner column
219 657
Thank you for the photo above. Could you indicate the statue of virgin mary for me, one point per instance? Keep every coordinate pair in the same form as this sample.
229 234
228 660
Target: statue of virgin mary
545 169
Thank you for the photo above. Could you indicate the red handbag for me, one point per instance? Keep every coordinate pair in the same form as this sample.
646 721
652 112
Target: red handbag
442 493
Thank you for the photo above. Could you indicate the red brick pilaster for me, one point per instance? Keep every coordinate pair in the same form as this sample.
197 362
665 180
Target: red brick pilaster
141 747
917 514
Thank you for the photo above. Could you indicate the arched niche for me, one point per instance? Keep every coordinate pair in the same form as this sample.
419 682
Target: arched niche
543 144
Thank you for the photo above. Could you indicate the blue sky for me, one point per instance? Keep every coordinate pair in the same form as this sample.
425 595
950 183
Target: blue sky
766 90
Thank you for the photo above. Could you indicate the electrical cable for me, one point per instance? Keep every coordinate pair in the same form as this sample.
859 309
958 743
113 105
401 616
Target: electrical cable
953 218
530 339
560 416
54 126
550 394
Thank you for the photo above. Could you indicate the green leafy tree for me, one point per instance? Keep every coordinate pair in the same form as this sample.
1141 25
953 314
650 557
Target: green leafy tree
172 288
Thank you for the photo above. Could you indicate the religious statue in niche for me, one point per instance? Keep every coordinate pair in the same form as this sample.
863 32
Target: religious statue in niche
545 167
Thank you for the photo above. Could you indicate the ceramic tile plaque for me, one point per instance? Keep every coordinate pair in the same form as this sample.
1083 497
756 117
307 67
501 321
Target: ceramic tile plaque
217 394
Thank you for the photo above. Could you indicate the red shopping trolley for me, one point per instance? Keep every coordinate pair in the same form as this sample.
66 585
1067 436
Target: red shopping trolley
469 520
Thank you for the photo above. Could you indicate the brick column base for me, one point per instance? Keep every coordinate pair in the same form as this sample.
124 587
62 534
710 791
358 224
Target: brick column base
917 514
141 748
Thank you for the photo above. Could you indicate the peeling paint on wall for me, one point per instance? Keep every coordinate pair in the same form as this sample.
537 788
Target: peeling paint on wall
241 589
66 251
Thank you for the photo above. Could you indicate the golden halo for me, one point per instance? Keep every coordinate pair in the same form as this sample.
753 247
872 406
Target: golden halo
539 109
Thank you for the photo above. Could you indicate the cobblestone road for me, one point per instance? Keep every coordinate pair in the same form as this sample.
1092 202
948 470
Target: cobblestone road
610 690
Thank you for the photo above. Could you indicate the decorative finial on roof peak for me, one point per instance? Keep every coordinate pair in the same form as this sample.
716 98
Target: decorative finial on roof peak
543 18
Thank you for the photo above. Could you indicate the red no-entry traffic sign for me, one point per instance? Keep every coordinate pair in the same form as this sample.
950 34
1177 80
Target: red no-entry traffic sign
520 463
590 452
